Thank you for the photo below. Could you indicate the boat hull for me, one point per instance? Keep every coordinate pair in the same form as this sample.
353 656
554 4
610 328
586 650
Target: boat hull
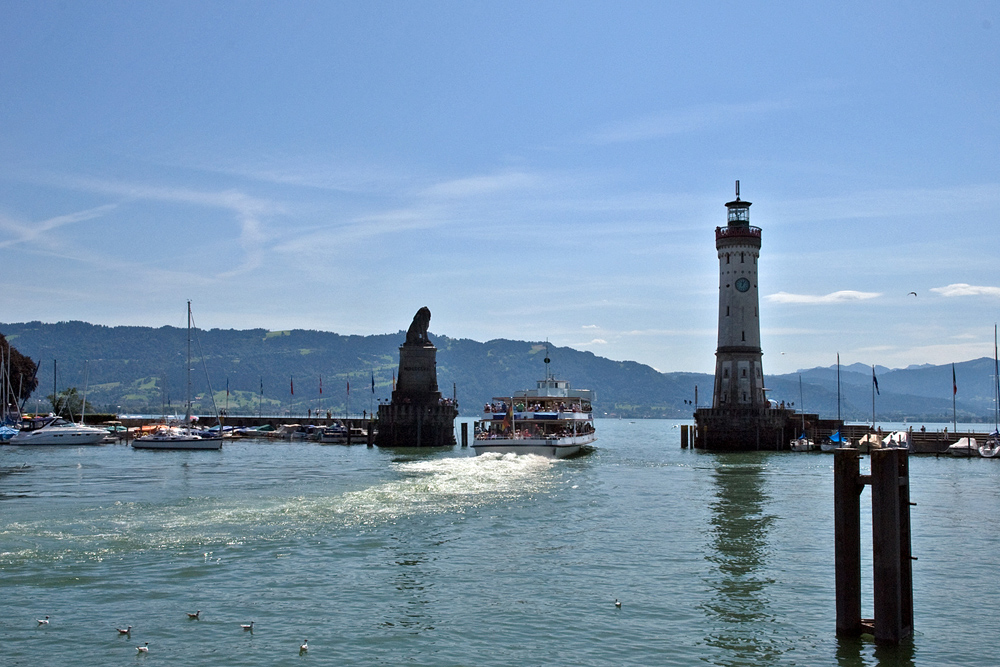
63 439
178 443
553 448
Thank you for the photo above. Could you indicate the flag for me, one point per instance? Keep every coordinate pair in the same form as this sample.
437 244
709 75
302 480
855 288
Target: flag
954 383
875 380
320 385
291 385
373 382
394 380
348 387
227 387
262 386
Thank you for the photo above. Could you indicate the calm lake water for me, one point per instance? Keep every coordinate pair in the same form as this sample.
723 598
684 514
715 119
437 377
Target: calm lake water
443 558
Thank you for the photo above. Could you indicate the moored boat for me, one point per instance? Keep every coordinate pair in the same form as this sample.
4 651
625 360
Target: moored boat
54 430
552 420
184 436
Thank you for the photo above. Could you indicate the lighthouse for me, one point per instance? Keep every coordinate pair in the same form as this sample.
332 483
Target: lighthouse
739 379
741 417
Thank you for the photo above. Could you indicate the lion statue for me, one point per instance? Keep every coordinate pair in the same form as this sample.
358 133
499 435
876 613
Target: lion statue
417 333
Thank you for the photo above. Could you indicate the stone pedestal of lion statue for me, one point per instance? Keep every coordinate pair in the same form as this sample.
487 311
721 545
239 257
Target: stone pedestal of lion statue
417 416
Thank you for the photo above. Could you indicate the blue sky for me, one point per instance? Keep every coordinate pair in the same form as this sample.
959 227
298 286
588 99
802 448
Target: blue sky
527 170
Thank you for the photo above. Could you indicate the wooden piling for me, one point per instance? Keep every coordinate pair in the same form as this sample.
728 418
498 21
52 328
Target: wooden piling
465 434
892 566
684 436
847 488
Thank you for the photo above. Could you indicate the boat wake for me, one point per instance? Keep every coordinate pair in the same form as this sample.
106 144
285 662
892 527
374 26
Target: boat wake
420 487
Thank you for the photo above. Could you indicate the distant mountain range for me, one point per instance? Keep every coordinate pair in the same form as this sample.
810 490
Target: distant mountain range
141 369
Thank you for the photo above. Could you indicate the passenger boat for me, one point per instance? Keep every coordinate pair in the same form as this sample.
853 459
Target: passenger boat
552 420
184 436
54 430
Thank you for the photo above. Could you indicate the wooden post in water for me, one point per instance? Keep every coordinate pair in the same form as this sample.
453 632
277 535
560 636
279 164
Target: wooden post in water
684 436
371 433
847 487
465 434
893 572
891 545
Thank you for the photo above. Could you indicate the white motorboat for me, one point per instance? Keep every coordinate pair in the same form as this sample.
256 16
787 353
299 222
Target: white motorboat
964 447
552 420
184 436
54 430
991 448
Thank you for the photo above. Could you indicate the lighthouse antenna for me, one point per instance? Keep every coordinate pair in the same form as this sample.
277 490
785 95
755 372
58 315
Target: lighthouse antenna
737 190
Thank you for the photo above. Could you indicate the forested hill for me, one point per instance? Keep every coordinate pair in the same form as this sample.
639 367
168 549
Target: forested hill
139 369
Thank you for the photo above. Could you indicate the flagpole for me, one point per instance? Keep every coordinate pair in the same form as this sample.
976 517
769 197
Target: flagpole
874 384
954 393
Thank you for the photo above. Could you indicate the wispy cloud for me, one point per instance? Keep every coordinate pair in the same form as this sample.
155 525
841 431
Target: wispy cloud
681 121
962 289
249 211
813 299
24 232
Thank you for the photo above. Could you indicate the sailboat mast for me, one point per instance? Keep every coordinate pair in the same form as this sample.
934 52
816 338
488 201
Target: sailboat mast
187 413
838 388
996 379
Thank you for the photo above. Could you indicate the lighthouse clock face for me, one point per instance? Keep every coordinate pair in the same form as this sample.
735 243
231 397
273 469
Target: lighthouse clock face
743 284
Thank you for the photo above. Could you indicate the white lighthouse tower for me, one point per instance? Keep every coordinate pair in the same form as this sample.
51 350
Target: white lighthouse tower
739 378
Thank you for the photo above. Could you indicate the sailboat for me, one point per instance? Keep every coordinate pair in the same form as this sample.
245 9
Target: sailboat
991 448
802 443
180 437
836 440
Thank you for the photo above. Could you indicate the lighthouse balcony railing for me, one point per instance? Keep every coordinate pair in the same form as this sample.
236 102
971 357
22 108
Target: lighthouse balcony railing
737 232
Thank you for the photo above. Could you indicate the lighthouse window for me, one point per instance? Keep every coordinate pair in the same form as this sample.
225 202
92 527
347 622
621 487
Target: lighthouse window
744 335
742 257
744 397
725 372
727 311
727 258
744 372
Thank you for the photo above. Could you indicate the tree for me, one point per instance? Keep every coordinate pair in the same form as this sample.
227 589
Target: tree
68 403
22 373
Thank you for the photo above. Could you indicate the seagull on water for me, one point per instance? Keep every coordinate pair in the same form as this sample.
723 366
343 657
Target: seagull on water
617 603
247 627
304 647
126 631
43 621
194 615
143 649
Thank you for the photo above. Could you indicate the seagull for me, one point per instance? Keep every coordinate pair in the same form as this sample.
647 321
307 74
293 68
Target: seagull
617 603
247 627
126 631
913 293
143 649
194 615
304 647
43 621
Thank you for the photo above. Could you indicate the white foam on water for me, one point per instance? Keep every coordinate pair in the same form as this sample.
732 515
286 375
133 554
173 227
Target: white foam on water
423 486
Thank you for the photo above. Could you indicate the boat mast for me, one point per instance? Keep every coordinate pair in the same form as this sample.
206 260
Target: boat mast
996 378
802 407
187 398
838 387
